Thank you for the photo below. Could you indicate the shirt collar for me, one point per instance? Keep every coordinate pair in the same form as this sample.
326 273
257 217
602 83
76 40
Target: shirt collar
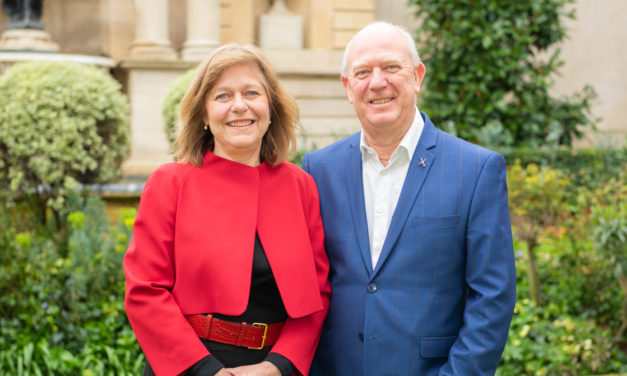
408 143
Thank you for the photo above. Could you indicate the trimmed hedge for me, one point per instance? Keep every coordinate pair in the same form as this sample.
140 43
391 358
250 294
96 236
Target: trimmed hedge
61 124
585 166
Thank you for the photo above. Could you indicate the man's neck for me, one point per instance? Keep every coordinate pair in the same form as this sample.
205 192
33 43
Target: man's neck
385 141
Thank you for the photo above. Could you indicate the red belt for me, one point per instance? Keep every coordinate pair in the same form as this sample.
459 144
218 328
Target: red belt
254 336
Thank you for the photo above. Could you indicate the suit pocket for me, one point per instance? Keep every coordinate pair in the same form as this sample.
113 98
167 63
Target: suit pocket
436 347
434 222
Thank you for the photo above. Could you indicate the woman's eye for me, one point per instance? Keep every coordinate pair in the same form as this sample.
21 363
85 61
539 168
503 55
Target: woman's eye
251 93
221 96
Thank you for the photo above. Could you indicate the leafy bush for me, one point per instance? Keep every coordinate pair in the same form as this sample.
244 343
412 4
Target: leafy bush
585 167
540 343
490 79
61 124
537 200
172 103
610 235
570 334
61 299
573 332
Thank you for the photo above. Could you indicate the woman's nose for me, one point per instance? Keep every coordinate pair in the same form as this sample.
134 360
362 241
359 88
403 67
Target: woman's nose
238 103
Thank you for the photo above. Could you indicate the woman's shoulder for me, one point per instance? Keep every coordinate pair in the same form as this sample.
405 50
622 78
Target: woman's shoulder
304 181
171 172
294 170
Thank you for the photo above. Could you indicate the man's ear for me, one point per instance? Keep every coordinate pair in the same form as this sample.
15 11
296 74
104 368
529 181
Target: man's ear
347 88
419 75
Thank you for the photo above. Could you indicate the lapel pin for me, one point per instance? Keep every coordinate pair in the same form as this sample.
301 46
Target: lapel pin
422 162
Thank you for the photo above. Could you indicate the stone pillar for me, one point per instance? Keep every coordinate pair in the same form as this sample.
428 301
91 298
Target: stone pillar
25 30
203 29
151 31
280 28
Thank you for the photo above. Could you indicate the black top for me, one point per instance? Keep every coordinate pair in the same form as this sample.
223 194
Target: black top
264 305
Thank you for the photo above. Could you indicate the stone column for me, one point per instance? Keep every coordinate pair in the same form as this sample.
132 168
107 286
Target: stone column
151 31
203 29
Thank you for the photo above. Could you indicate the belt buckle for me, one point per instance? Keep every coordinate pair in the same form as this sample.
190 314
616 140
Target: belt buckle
263 337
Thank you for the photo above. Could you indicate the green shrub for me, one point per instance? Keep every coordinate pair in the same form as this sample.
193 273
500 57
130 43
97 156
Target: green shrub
540 343
490 67
610 235
585 167
172 103
61 301
537 199
61 124
572 333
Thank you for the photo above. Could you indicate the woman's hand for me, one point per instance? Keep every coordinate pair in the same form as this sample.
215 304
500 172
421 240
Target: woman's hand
264 368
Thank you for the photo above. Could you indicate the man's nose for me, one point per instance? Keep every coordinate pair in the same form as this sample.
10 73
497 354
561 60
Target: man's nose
378 79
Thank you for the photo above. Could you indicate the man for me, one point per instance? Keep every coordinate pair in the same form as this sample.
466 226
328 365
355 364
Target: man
417 230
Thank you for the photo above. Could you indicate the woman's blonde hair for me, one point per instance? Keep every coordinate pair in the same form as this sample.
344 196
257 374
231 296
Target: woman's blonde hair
193 140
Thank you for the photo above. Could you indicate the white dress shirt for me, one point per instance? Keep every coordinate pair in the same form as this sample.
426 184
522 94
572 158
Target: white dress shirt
383 184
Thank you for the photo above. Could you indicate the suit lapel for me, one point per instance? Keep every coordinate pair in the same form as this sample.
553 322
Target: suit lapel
357 202
419 167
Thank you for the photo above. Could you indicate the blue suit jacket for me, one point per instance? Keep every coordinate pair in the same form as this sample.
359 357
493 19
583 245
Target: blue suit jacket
441 297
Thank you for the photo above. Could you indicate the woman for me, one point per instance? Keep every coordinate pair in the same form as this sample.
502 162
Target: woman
226 273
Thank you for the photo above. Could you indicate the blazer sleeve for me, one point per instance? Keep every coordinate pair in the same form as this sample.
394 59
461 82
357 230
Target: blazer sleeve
300 336
167 339
490 277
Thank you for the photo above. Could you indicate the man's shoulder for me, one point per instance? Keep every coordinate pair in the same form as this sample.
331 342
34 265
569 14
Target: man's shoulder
451 142
337 148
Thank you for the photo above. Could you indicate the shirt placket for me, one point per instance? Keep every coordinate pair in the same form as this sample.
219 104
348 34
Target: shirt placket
380 210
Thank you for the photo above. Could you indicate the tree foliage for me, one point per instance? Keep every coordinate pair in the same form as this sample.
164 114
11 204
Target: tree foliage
490 65
61 124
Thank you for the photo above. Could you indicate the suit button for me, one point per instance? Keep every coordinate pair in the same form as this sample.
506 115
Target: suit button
372 288
361 336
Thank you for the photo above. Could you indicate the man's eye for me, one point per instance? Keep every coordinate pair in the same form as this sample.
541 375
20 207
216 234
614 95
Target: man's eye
362 73
392 68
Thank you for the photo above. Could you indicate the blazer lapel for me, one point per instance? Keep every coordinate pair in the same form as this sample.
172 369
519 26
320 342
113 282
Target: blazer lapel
357 203
419 167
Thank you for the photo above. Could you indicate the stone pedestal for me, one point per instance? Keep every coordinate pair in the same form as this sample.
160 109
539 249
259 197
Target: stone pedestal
27 39
146 82
281 29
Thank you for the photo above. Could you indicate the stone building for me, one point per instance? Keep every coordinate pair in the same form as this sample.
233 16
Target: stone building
149 43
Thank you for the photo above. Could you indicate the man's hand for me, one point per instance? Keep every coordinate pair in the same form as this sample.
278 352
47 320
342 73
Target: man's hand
264 368
224 372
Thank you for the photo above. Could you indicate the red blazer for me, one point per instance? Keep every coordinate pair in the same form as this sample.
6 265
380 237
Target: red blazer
192 252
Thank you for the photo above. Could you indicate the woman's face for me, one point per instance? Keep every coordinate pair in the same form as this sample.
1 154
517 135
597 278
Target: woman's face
238 113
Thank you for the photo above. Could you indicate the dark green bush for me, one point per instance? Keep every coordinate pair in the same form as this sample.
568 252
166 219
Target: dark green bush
61 124
490 67
61 297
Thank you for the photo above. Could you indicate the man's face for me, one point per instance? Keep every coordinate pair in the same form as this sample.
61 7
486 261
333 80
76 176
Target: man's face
381 81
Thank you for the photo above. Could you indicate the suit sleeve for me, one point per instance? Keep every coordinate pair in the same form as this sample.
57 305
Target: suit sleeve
490 277
169 342
300 336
